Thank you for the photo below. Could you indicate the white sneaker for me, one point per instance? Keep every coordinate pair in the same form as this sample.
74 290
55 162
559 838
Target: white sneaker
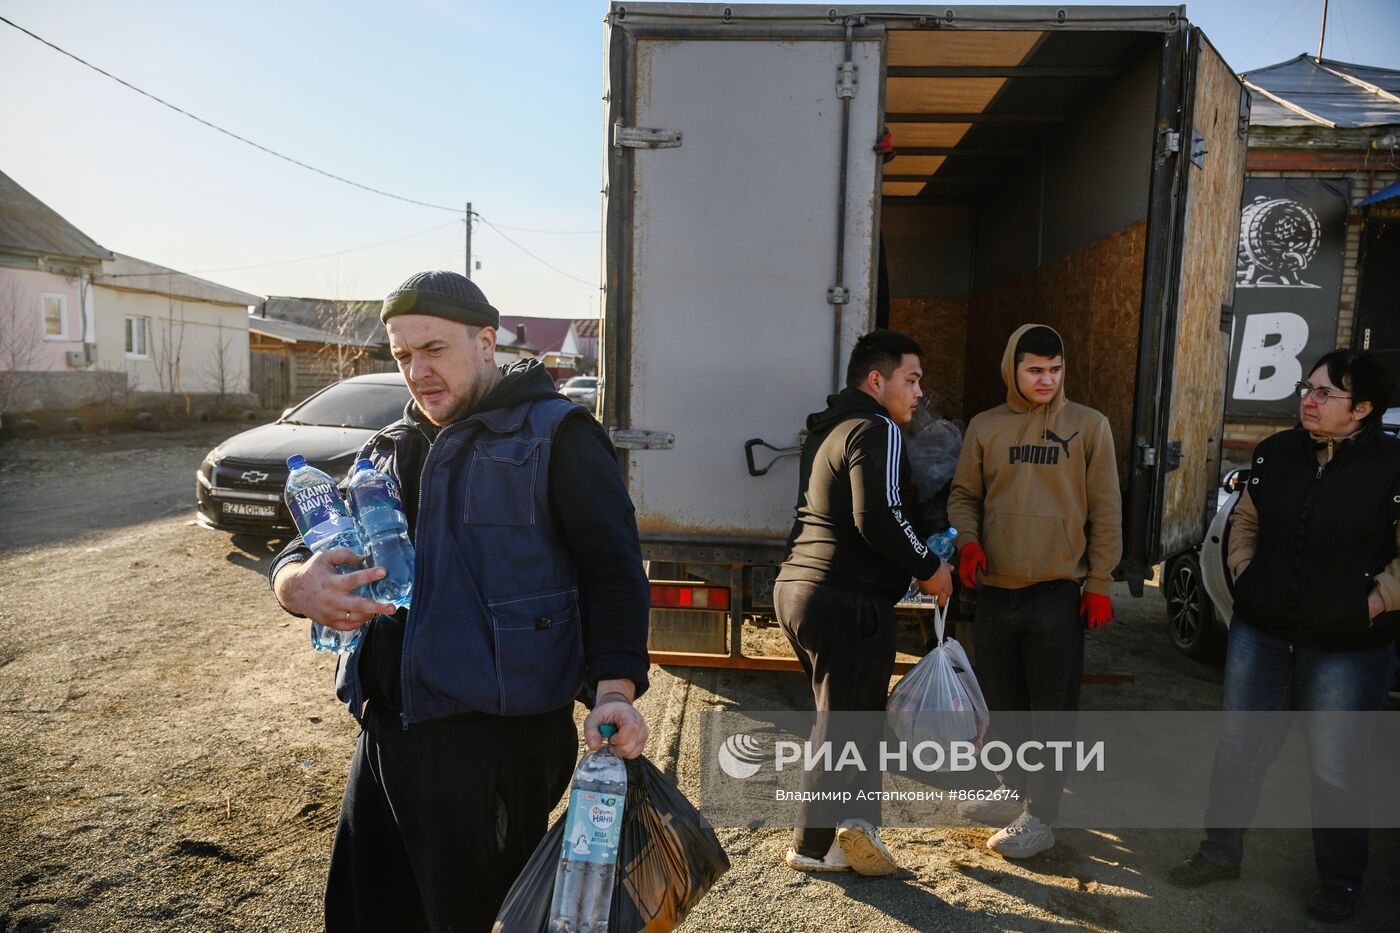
864 849
834 860
1025 837
995 812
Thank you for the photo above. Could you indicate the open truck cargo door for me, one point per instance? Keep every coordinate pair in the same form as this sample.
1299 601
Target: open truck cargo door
720 140
1188 296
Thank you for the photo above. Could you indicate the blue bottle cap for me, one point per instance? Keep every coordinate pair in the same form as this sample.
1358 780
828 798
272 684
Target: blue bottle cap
296 461
364 463
951 532
607 730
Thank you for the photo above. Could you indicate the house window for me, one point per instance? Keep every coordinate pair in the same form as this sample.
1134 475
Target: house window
55 317
136 338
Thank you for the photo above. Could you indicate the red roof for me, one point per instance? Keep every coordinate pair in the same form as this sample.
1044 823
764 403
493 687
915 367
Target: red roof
586 327
547 333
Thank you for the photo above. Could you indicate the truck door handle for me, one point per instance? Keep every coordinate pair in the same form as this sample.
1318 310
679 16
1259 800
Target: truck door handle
779 452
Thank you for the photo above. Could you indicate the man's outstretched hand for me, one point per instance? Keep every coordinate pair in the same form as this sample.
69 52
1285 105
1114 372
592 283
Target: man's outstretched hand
1096 609
972 560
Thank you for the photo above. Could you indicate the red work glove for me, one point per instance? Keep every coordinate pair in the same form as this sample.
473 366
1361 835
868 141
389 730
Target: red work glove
1096 609
971 559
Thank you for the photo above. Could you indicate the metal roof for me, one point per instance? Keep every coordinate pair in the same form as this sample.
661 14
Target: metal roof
289 332
130 273
1306 91
28 225
361 322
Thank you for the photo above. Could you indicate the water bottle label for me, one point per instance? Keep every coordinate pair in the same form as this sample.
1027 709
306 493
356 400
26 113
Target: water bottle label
595 825
328 529
377 493
312 506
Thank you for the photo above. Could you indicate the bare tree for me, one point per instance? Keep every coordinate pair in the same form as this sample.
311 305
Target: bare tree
167 348
345 318
223 367
21 343
342 319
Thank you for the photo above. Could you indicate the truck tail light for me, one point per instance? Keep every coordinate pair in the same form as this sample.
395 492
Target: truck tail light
689 596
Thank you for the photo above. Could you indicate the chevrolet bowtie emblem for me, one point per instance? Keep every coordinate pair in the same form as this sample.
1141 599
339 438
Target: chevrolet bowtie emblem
253 476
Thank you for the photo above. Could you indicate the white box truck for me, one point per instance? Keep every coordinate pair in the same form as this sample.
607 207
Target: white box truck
1075 166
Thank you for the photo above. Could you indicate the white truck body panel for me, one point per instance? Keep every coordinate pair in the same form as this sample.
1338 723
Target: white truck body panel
761 154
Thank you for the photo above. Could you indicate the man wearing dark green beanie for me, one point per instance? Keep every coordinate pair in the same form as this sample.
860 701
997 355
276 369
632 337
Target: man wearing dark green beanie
529 591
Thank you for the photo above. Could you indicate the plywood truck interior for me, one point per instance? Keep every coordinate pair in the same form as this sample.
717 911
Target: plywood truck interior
1032 207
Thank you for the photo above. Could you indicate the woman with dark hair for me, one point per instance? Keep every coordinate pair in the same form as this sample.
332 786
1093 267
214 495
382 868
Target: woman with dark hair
1316 558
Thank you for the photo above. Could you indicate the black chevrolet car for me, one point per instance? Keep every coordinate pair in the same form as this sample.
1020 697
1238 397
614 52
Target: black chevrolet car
238 487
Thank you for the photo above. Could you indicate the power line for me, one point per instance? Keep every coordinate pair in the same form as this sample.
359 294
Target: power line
538 230
287 262
551 265
212 126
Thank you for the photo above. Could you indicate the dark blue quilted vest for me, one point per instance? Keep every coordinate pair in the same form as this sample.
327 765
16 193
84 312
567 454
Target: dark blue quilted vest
494 627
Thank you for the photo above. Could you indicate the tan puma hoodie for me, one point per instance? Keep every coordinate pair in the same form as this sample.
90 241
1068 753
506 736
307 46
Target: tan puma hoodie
1037 487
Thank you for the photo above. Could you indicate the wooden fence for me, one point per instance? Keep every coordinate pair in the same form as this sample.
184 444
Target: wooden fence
270 379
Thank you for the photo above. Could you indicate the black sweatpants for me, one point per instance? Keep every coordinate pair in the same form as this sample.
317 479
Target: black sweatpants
1030 656
439 819
845 642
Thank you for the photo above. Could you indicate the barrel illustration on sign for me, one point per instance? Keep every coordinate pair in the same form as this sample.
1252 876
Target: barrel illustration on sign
1279 237
1288 280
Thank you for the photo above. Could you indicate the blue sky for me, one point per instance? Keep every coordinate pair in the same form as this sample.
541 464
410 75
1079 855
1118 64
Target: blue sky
494 102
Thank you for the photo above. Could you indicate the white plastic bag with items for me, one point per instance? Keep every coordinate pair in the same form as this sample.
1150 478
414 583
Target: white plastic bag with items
939 699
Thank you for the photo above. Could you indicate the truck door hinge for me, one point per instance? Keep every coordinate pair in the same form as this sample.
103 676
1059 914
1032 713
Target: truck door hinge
1147 456
836 295
642 137
1173 455
1170 143
630 439
846 81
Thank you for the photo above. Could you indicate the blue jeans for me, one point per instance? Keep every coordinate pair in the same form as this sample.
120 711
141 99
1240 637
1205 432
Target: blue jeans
1263 673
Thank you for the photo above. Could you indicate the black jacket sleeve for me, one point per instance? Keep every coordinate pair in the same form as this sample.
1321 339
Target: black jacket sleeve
596 518
878 466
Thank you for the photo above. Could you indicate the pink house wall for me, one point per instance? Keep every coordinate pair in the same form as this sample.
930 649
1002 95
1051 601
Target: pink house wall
22 316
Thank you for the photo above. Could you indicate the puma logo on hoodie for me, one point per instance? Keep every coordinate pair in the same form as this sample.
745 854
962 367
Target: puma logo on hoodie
1036 453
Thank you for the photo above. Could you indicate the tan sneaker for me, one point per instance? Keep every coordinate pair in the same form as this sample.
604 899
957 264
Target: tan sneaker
863 847
834 860
1025 837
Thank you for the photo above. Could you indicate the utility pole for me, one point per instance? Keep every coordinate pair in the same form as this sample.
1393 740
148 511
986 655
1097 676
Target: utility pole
1323 38
469 239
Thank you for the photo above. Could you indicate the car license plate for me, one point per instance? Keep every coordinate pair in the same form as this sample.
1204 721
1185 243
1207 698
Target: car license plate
250 509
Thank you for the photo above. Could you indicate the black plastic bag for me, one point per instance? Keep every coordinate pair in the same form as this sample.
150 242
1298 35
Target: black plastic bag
668 857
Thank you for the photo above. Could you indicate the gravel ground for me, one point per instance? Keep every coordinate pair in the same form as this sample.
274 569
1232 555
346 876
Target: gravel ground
171 756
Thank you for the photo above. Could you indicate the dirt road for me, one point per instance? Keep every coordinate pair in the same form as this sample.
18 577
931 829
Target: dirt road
171 757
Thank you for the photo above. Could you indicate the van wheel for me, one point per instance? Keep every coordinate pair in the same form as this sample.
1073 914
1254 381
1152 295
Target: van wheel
1190 614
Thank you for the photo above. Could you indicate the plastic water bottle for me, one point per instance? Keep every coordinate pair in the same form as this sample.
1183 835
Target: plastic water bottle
944 545
325 524
583 882
374 498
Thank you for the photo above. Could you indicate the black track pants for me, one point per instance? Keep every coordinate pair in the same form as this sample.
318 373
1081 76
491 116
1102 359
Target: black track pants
845 640
439 819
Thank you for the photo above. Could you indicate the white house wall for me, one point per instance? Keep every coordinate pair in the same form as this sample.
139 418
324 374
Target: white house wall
196 331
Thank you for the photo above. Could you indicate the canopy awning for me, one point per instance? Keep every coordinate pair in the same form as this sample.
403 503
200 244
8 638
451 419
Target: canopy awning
1385 194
